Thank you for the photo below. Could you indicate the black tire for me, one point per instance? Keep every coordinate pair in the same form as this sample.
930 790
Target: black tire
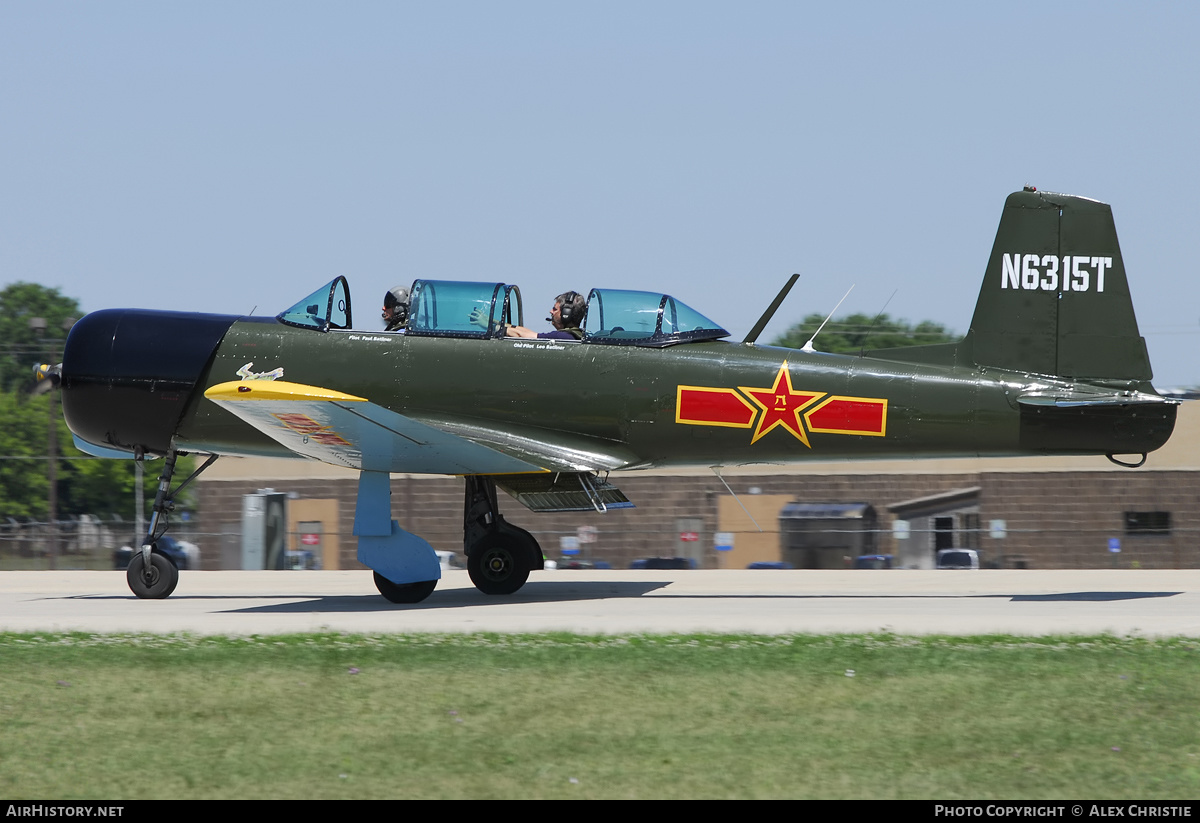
161 580
497 565
404 592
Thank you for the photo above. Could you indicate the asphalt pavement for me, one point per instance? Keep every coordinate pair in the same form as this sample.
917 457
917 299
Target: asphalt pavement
1137 602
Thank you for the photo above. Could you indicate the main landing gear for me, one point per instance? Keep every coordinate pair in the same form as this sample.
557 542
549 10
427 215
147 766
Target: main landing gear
151 574
499 554
404 592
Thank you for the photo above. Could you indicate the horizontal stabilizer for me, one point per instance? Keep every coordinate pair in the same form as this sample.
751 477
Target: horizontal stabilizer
1064 400
1062 422
566 492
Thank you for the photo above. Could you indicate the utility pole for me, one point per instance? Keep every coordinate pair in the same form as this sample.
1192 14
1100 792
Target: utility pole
38 326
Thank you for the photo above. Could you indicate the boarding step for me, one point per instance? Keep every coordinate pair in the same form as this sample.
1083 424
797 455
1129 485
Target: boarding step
563 492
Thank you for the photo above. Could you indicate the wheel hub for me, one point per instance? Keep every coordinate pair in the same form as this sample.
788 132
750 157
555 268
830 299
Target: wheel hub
498 563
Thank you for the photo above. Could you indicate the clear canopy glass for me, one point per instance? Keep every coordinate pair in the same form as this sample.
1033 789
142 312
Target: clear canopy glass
326 308
445 308
448 308
644 318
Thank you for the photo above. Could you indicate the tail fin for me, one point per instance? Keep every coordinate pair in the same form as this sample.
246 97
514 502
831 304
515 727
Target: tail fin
1054 297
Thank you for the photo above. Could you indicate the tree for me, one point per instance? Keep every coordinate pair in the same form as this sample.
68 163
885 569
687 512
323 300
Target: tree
100 486
86 485
24 347
23 477
858 332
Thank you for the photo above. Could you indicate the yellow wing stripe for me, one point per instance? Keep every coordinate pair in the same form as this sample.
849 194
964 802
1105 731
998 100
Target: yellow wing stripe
275 390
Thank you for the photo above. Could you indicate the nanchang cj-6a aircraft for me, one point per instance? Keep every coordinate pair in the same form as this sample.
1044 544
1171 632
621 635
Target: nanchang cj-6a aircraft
1052 364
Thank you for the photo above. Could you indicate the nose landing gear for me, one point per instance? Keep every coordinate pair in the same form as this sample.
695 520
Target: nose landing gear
153 582
151 574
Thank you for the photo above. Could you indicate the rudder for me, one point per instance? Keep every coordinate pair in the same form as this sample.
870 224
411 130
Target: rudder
1055 299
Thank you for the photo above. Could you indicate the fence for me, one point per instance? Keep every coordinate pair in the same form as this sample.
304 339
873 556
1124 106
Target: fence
83 543
88 543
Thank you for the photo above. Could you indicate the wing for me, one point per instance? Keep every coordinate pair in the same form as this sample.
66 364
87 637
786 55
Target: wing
345 430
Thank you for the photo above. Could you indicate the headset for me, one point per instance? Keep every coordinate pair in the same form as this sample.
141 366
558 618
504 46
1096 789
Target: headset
567 308
396 301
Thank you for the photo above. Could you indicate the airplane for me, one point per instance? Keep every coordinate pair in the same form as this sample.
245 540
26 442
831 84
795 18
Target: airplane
1052 364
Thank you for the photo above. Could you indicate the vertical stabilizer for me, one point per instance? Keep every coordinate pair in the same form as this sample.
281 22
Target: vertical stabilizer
1055 299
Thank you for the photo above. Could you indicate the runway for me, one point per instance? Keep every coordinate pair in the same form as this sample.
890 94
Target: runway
1141 602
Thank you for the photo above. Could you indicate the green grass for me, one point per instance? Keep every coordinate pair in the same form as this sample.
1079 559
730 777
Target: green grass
561 716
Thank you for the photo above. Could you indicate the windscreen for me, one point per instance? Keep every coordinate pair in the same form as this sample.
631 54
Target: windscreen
640 318
326 308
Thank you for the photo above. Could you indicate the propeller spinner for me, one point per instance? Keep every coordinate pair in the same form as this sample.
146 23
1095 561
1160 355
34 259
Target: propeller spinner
47 377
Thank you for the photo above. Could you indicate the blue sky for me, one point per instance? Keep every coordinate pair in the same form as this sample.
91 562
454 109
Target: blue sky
229 157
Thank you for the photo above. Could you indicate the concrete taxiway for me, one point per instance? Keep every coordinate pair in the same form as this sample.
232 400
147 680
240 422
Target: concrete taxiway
1141 602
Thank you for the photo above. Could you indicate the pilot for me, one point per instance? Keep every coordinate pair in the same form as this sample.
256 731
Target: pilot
395 309
567 314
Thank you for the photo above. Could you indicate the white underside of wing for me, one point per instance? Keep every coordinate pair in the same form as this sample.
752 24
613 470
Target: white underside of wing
345 430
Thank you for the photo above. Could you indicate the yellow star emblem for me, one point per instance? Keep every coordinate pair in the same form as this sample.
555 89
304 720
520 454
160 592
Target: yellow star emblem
781 406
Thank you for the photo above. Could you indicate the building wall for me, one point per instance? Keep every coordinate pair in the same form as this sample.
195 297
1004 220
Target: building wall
326 514
1052 519
1065 519
755 528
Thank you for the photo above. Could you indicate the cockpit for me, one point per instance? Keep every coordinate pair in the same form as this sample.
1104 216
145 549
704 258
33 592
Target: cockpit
451 308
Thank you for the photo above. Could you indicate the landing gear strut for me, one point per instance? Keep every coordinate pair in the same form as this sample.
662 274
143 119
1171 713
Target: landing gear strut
152 574
499 554
406 567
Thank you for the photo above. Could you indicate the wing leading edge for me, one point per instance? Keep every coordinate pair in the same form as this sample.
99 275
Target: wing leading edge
346 430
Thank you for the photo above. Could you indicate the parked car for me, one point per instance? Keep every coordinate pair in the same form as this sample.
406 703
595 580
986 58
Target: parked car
663 563
584 564
169 546
769 564
450 560
873 561
958 559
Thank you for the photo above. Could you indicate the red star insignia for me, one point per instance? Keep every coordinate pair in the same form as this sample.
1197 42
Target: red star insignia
781 406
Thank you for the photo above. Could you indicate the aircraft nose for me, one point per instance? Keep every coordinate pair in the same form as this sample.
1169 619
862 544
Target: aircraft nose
128 374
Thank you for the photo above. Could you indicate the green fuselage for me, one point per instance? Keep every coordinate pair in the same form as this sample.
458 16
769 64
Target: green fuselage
629 397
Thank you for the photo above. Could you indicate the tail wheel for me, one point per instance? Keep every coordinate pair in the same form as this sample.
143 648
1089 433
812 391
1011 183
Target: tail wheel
404 592
498 565
153 583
